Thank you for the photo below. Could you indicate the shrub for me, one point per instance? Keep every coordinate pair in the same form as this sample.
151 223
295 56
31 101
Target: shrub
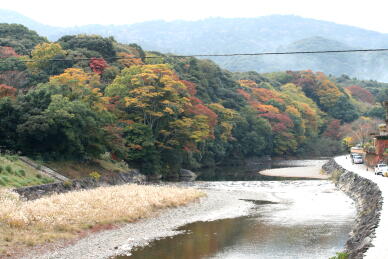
39 176
1 169
46 180
67 184
335 175
340 255
21 172
9 169
95 175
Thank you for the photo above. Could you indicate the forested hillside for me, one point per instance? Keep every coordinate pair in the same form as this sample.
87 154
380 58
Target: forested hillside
85 96
247 35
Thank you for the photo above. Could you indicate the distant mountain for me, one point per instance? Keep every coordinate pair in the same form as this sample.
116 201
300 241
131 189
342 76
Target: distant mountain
245 35
7 16
336 64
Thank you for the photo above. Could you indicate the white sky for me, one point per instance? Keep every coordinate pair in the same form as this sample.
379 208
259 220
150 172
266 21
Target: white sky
368 14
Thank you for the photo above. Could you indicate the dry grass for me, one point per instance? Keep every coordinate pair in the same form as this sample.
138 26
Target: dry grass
27 223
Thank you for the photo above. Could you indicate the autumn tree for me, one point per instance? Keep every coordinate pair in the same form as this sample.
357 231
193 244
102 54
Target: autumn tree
7 52
42 53
153 95
12 68
361 93
98 65
7 91
127 60
359 131
326 94
78 84
333 130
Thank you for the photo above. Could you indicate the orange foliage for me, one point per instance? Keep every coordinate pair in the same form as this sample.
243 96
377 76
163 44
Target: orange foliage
128 60
197 107
7 91
247 83
246 95
280 122
264 108
317 85
265 95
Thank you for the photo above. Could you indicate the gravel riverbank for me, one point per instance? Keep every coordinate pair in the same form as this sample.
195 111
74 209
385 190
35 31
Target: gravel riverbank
218 204
313 170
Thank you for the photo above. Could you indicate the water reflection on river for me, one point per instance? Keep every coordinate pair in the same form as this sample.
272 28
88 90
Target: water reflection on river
308 219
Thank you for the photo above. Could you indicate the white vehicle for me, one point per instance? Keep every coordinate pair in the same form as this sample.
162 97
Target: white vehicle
357 159
381 169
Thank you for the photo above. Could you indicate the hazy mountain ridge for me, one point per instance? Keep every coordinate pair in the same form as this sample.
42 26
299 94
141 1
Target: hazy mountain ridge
243 35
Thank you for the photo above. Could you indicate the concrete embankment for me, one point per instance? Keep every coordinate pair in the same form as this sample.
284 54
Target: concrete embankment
369 201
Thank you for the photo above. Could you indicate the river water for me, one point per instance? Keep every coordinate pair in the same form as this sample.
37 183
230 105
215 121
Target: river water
290 219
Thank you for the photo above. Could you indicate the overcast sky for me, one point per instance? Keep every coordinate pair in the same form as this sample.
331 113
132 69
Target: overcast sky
371 14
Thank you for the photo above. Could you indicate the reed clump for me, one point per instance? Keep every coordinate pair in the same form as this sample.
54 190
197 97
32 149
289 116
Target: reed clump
27 223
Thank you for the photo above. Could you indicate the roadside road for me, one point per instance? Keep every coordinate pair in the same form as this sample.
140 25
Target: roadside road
380 247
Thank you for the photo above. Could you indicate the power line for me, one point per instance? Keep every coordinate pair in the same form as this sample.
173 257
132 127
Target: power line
220 55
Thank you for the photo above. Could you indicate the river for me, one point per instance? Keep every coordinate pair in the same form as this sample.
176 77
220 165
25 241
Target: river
290 219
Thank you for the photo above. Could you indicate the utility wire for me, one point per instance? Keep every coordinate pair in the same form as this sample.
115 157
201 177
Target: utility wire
220 55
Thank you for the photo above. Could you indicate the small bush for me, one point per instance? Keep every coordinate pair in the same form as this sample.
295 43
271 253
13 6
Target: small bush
67 184
1 169
9 169
21 172
95 175
39 176
335 175
340 255
46 180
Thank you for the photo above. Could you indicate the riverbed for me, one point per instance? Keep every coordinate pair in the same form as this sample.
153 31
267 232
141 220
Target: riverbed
289 219
238 219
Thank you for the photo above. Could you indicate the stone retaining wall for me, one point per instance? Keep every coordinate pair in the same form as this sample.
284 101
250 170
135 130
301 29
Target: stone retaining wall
37 191
368 199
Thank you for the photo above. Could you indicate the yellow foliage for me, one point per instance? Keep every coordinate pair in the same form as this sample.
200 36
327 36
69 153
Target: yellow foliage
77 77
41 55
128 60
82 85
293 111
154 91
247 83
223 113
